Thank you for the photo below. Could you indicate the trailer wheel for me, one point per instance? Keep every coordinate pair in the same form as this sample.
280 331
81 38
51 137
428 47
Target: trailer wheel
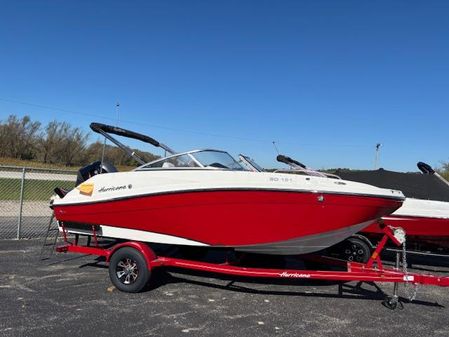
128 270
357 250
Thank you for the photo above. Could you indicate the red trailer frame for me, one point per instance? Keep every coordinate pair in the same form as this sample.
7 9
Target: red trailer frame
372 271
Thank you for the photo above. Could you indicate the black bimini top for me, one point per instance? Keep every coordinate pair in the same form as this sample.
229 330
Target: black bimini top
413 185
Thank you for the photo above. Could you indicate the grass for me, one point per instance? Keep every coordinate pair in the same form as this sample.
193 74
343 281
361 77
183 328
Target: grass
34 190
36 164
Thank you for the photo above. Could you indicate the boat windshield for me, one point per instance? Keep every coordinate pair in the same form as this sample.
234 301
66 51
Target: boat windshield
198 158
183 160
250 164
219 159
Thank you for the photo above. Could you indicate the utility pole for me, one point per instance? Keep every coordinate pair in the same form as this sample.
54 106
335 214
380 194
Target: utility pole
275 147
117 110
376 158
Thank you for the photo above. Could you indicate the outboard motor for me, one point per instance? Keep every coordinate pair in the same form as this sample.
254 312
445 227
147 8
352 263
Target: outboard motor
86 172
92 169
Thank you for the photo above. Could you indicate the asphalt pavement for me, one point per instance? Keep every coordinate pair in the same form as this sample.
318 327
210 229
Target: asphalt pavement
72 295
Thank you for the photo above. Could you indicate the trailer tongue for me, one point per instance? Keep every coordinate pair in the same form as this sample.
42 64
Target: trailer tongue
131 263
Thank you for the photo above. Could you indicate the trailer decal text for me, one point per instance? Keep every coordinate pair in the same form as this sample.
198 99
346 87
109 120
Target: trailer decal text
294 275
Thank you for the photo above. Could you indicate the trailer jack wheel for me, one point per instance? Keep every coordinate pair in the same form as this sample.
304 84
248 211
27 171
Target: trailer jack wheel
392 302
128 270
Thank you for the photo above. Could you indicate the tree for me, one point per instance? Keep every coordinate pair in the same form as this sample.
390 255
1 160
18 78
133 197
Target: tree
19 138
62 143
50 141
115 155
444 170
57 143
72 148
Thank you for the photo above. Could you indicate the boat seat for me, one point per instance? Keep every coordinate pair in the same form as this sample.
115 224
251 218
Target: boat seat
167 164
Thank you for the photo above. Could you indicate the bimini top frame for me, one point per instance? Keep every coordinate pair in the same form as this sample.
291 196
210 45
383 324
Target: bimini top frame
207 158
105 131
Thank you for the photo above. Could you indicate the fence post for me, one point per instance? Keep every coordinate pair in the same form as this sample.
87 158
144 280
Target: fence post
22 186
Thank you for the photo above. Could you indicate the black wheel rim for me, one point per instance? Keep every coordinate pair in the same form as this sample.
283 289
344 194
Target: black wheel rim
127 271
355 252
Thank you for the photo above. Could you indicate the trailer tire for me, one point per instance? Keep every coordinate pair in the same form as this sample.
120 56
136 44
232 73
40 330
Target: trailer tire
128 270
356 250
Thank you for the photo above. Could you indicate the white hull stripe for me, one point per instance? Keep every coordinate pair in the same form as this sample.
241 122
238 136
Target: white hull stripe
138 235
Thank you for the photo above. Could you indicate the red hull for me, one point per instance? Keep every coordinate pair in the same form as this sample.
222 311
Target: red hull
232 218
418 229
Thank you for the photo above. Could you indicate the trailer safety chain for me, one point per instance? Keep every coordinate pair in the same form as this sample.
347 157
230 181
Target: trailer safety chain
404 259
411 295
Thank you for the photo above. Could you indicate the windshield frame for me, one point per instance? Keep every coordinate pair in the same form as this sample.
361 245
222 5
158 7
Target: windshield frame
191 155
250 163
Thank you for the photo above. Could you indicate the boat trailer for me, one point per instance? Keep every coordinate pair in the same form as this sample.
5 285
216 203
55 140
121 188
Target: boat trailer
131 263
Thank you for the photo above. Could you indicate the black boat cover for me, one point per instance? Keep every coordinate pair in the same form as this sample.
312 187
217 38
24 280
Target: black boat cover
413 185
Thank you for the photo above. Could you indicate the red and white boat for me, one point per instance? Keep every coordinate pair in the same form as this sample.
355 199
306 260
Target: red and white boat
426 222
205 198
424 214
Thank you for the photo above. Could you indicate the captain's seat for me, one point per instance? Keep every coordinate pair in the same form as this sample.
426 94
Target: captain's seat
167 164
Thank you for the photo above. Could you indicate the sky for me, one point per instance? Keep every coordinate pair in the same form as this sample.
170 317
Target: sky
325 80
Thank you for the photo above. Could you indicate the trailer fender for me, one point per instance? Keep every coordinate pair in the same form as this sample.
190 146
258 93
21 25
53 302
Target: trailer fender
141 247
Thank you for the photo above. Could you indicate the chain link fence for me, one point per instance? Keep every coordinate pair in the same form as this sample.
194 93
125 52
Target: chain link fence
24 199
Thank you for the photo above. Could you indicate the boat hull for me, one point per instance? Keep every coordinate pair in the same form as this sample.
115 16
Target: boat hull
263 221
426 223
420 230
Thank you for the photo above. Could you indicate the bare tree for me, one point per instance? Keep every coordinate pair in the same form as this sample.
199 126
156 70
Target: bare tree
115 155
57 143
50 141
71 149
444 170
19 138
62 143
